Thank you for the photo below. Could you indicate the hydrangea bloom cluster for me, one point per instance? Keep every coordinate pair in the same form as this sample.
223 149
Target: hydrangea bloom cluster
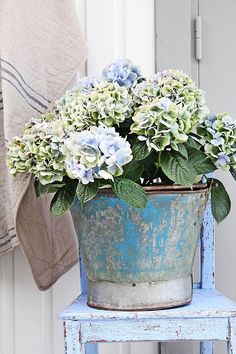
103 102
71 109
110 104
96 153
158 126
219 132
123 72
161 110
72 106
170 106
38 151
176 86
162 123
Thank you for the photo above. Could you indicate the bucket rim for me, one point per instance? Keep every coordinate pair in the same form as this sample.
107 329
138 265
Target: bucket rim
166 189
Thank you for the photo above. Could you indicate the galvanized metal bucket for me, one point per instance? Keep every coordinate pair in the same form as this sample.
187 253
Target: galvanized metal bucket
140 259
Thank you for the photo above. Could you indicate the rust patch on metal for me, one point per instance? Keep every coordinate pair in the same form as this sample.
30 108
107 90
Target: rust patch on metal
163 189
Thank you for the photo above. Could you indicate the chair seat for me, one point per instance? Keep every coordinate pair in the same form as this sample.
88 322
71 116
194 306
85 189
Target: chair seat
205 304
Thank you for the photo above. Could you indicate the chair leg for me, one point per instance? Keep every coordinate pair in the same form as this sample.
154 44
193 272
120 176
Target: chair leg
91 348
71 338
231 345
206 347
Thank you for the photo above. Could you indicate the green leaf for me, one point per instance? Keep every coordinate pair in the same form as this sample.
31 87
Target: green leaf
200 162
131 192
220 201
64 198
133 170
182 150
104 183
233 172
151 169
40 188
37 186
201 131
164 178
86 192
48 188
193 143
140 150
177 168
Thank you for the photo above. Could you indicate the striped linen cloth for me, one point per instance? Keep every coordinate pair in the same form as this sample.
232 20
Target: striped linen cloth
41 49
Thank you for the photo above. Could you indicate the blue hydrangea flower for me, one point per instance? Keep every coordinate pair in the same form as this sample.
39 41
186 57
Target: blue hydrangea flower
217 140
104 130
116 153
86 84
99 152
229 122
77 170
218 133
210 119
84 146
123 72
223 159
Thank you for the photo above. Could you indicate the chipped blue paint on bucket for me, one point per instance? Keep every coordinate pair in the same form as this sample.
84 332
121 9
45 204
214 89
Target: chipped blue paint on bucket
138 259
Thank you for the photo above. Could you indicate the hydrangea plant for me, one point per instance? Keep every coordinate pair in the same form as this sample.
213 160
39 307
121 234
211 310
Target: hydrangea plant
124 131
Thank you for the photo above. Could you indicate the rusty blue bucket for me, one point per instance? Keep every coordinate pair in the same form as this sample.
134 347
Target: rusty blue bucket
139 259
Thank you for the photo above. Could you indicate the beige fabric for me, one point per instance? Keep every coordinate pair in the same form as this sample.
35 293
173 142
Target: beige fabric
41 48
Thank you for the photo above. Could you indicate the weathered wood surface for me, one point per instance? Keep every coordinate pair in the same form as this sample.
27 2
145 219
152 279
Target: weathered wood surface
208 250
232 336
153 330
207 347
79 332
205 304
210 316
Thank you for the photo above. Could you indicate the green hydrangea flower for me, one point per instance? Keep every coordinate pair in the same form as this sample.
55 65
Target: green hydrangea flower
106 103
110 104
18 159
72 110
162 123
38 151
178 87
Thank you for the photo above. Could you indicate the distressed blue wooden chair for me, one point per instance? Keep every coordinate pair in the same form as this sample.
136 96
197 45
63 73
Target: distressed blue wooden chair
211 316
